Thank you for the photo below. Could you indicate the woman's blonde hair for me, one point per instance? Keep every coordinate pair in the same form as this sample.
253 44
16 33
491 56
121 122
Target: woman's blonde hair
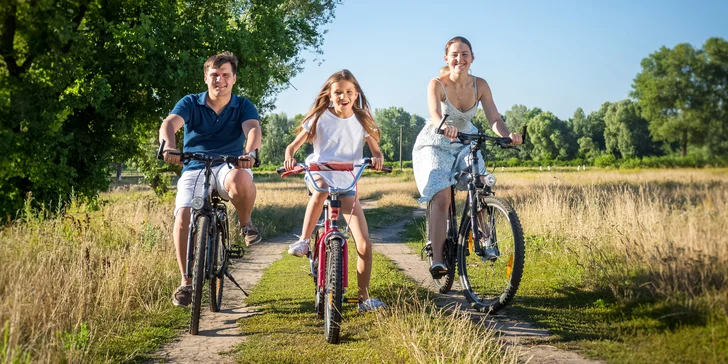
322 102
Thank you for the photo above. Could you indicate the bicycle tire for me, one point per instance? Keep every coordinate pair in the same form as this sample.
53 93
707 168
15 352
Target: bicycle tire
443 284
334 291
198 272
319 294
219 255
490 284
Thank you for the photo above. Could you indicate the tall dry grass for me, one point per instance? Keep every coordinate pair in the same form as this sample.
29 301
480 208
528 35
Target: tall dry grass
68 281
437 335
662 234
71 282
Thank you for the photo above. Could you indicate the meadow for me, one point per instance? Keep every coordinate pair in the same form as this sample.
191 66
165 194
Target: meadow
621 265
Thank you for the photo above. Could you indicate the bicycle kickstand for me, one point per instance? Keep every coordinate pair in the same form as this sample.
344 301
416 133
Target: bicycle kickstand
230 277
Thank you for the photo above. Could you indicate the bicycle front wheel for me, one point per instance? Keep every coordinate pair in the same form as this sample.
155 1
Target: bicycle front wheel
491 268
334 291
217 266
202 224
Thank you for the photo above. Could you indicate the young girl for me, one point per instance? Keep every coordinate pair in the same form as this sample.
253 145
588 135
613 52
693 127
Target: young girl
337 125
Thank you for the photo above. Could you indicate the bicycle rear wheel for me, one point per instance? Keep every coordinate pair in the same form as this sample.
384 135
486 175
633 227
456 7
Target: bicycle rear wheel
443 284
198 272
491 269
218 266
334 291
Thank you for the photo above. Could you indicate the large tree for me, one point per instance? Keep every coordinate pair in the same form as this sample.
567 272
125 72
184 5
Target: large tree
681 91
626 131
552 138
83 81
589 131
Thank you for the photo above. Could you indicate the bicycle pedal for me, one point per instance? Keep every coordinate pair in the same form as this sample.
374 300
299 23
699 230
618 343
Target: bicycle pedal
236 252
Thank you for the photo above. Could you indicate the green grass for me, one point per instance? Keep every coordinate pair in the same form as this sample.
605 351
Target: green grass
411 329
555 294
143 335
289 331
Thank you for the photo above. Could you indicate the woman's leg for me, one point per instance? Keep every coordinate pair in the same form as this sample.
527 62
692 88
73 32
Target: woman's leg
360 232
439 210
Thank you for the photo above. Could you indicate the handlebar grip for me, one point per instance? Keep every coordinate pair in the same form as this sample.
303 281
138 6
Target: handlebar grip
387 169
280 170
439 130
160 151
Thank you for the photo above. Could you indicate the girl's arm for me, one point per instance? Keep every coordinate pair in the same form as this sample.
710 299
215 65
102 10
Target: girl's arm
491 113
377 156
291 149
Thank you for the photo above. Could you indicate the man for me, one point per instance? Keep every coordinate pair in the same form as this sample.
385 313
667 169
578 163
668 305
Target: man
216 122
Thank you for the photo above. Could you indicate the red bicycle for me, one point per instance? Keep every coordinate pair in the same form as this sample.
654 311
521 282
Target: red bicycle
329 261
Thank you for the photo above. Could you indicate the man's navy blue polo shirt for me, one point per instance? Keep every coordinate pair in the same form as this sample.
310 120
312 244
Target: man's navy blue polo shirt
210 133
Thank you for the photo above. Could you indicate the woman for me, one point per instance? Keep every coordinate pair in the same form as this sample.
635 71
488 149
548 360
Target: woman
435 160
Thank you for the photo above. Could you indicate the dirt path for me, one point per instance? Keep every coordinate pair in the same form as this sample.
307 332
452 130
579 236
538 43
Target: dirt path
513 332
219 332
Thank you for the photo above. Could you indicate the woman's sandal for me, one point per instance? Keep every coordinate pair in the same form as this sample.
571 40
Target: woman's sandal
438 270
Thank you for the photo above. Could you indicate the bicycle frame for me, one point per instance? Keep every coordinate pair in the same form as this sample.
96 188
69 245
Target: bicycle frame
331 213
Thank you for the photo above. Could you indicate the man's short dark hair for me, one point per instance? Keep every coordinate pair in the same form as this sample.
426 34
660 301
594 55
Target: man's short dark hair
218 60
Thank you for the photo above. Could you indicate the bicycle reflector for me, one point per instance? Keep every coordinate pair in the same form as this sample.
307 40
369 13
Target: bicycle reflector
489 180
197 203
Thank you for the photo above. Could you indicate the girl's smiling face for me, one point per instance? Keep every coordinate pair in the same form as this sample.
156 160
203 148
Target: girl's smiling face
343 94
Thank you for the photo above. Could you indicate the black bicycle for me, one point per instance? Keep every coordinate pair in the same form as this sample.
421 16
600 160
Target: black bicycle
210 256
487 245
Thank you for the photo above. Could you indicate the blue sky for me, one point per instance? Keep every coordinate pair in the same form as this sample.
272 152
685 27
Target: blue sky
557 55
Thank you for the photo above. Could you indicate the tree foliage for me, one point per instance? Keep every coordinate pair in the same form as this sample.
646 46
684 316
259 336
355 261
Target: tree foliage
551 137
682 92
626 132
278 132
83 83
390 121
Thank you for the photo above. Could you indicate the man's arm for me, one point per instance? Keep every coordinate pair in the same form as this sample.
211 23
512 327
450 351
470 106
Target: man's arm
251 129
169 128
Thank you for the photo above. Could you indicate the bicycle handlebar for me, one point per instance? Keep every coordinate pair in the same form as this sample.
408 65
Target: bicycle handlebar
466 138
185 156
332 166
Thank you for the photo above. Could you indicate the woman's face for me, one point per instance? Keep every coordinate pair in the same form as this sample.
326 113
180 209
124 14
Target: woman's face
459 57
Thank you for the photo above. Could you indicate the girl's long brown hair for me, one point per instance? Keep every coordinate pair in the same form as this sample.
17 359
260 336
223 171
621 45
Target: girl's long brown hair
323 101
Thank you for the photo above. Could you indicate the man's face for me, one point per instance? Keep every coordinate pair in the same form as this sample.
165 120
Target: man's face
220 81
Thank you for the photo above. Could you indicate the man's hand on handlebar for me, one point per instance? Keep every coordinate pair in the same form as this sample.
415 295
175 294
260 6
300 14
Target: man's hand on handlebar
245 161
172 158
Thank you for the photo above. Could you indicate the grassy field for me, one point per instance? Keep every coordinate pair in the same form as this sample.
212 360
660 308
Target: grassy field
623 266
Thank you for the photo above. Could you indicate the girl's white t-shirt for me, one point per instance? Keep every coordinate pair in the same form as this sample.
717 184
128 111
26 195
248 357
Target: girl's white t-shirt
336 140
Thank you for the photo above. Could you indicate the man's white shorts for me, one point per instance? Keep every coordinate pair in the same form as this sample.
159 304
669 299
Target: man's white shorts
191 184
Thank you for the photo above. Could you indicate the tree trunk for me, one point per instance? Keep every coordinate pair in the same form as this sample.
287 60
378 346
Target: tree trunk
684 144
